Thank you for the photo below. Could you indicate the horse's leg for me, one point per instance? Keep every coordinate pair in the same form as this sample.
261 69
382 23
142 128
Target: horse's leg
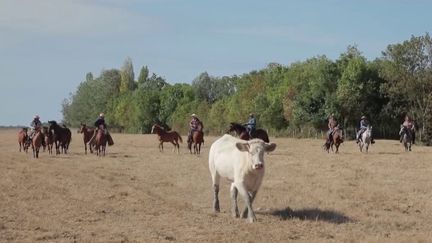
176 145
33 150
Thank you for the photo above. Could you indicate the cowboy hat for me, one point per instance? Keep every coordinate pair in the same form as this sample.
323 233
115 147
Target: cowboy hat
101 114
363 117
193 115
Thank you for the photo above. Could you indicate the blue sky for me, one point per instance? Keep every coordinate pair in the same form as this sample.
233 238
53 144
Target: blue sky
48 46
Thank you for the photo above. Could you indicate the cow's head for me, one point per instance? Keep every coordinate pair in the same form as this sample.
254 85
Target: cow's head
256 149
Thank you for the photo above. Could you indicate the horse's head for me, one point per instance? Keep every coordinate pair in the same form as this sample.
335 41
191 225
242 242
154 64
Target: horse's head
83 126
369 130
156 128
231 128
44 129
237 127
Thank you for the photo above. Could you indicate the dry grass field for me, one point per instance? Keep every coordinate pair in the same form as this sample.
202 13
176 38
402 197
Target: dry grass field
137 194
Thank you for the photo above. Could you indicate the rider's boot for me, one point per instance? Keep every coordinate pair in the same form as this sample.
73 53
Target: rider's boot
372 141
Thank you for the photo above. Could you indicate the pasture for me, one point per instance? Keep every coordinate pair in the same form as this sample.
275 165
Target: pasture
138 194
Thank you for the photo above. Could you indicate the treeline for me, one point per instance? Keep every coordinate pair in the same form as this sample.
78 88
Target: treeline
298 97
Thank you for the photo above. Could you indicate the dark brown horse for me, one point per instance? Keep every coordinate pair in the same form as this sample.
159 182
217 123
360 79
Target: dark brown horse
336 140
100 141
164 136
242 132
197 140
49 138
37 143
87 134
62 136
23 140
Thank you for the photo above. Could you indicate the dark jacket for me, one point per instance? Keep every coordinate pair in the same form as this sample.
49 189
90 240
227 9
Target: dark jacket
100 121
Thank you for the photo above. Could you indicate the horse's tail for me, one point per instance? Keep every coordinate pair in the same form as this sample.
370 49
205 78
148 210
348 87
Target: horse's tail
179 137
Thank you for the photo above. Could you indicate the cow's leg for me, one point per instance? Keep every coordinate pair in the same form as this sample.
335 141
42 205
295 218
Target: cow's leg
252 197
216 207
247 198
234 207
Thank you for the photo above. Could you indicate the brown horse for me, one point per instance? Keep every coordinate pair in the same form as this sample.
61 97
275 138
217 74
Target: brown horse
100 141
87 134
62 136
37 143
49 139
336 140
164 136
23 140
242 132
197 140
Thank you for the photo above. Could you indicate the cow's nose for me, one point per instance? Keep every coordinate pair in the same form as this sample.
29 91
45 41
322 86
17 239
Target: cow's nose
259 166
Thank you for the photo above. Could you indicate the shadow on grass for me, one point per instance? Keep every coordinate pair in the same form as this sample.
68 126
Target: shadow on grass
311 214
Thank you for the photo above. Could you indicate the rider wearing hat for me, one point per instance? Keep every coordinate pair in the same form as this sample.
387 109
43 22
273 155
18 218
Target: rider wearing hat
35 125
409 125
332 124
194 126
251 124
100 122
364 123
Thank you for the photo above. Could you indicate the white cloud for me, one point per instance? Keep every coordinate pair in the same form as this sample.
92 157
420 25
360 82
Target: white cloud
69 17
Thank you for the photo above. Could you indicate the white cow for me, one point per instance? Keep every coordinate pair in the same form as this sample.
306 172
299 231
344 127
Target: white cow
241 162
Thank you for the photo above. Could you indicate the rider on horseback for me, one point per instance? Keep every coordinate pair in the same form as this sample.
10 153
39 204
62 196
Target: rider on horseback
35 125
194 125
251 124
408 124
364 123
332 124
100 122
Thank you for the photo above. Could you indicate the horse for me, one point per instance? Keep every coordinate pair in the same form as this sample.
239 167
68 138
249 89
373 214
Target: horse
87 134
62 136
101 141
407 137
197 140
164 136
365 139
49 138
23 140
37 142
242 132
336 140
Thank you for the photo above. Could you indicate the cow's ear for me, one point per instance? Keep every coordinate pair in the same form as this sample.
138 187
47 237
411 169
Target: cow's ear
269 147
244 147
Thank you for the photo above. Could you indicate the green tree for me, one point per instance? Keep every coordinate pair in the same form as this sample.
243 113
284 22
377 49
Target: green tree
127 76
143 76
407 69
